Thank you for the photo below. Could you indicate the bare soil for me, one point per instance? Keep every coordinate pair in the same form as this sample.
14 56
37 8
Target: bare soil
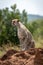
33 56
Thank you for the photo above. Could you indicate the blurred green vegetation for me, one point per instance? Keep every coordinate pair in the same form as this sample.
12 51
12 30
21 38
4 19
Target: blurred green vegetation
36 28
8 33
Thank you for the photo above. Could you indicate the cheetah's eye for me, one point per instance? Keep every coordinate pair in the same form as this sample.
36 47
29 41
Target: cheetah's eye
14 21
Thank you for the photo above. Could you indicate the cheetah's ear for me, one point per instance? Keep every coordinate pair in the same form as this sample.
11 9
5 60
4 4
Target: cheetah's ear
18 20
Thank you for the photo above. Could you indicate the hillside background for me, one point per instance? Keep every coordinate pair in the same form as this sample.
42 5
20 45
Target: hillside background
32 17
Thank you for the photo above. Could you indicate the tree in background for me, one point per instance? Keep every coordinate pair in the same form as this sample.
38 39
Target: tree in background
24 17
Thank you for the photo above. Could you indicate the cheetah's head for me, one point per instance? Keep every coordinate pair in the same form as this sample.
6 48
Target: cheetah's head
15 22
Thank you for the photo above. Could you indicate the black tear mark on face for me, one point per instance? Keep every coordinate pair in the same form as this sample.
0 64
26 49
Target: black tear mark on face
13 22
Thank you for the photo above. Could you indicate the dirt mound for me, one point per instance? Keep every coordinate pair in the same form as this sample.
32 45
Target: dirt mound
32 56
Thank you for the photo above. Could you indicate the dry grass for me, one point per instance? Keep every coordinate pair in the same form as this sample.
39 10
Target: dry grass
6 47
39 43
